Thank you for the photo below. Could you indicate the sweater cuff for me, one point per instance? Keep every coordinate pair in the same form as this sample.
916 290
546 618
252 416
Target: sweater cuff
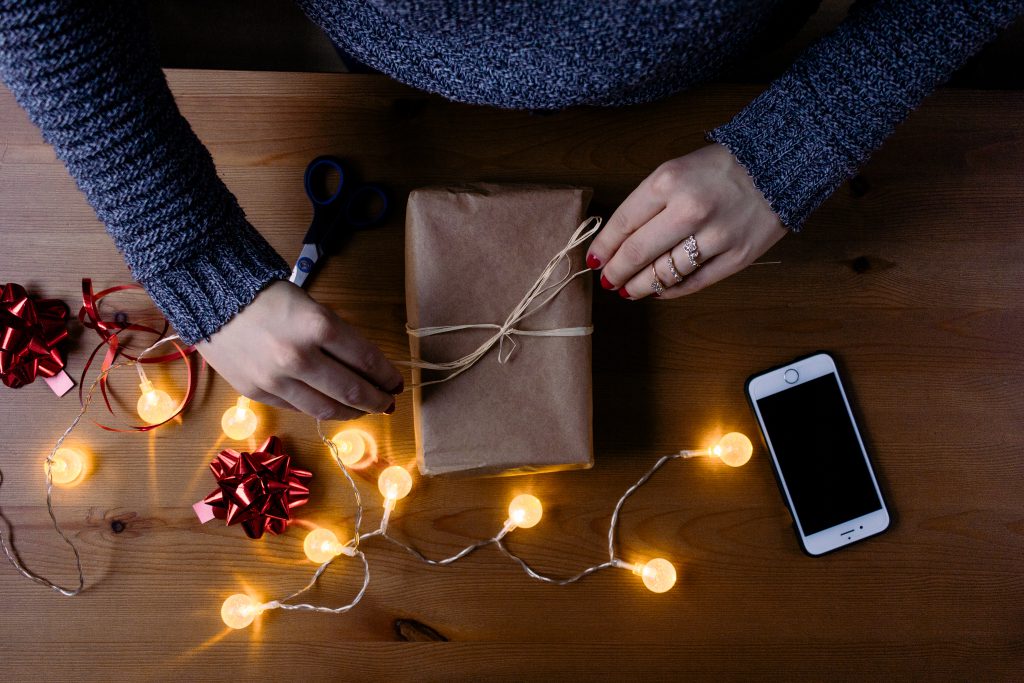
784 141
200 295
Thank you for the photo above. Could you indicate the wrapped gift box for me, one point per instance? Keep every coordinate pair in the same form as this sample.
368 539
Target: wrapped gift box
472 253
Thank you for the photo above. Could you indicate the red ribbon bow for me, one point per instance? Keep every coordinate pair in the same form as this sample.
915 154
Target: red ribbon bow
29 334
258 489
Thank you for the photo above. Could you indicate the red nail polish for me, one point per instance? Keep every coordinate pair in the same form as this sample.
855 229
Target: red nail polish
605 283
593 262
390 409
623 293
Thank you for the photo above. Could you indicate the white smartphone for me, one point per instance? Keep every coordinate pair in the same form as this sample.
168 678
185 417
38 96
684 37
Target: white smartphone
817 453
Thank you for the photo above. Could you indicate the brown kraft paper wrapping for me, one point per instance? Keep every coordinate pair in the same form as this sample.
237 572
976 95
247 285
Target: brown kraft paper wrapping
471 254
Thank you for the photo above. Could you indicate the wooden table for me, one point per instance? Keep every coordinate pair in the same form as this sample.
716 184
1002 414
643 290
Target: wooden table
912 276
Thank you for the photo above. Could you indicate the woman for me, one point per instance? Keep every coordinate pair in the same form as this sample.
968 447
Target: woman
87 75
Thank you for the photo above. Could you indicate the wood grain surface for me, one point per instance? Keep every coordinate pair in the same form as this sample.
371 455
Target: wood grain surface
912 276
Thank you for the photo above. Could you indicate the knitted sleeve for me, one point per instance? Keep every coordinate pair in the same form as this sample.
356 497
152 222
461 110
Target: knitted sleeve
87 74
812 128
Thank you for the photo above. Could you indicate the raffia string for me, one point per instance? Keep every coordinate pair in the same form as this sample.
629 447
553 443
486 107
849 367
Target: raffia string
525 308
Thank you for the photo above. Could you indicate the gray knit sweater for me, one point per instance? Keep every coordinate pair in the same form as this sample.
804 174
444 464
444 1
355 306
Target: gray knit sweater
86 72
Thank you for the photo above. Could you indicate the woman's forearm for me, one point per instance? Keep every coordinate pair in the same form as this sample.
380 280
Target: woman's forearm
821 120
88 76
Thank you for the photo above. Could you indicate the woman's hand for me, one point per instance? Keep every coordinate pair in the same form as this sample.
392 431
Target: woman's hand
706 194
286 350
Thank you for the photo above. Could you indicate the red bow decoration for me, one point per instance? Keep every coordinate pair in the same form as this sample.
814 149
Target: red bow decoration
258 489
29 334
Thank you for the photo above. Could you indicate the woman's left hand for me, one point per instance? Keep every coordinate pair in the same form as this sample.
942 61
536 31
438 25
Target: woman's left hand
706 194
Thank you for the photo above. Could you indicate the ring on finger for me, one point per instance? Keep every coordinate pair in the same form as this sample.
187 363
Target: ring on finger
672 269
657 285
692 252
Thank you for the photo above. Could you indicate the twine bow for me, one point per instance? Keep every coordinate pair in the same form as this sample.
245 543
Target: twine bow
507 331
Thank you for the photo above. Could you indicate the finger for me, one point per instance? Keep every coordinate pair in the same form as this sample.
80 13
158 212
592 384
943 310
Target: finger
340 340
270 400
671 268
639 286
312 402
342 384
710 272
639 207
639 249
661 233
683 264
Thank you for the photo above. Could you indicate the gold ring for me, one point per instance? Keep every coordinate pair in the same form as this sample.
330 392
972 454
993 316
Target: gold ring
658 286
672 269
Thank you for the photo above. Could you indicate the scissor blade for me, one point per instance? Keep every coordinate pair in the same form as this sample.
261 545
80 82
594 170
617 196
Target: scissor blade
308 258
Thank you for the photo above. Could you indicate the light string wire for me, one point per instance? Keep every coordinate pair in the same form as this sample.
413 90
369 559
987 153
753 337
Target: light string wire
613 525
8 546
613 559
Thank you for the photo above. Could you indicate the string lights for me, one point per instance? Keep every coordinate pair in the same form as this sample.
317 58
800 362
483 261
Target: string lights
394 484
240 610
734 449
322 546
356 447
154 405
56 471
239 421
659 575
524 511
66 465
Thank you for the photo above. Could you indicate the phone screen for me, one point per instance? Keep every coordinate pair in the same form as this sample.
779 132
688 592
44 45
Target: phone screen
819 455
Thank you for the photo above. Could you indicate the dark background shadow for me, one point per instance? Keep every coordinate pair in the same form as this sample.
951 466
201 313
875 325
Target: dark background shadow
271 35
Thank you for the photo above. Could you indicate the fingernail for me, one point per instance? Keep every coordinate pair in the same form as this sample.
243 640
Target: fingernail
593 262
624 294
390 409
605 283
399 388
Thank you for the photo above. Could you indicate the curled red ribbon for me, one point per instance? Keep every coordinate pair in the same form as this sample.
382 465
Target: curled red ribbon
259 489
29 334
108 331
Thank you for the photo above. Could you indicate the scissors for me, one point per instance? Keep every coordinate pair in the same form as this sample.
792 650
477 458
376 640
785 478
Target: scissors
342 208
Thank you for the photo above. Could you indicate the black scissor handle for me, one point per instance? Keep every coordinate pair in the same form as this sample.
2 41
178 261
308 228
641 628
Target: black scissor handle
315 180
367 206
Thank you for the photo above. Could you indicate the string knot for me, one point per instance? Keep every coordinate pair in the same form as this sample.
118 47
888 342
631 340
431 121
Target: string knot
537 296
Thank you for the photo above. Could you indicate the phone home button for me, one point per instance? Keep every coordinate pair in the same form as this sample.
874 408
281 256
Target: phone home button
791 376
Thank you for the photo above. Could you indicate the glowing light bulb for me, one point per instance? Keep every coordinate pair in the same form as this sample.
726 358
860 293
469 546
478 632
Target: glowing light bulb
351 446
734 449
525 511
321 545
239 610
658 574
394 483
239 422
66 466
155 406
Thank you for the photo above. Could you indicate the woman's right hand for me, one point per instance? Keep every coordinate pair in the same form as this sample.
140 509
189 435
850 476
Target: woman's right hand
286 350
